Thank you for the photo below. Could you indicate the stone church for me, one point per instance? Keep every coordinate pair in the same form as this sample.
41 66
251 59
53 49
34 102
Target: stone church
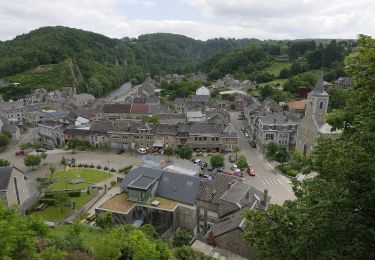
313 123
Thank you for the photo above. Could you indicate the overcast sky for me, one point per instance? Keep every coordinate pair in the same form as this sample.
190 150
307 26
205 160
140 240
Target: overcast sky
199 19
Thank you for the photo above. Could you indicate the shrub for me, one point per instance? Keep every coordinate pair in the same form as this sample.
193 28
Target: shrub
98 167
292 172
63 161
86 165
113 170
185 253
74 194
80 165
105 168
126 169
113 183
181 238
92 166
48 201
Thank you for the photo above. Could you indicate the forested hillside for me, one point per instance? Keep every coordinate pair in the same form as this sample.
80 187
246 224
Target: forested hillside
100 63
56 57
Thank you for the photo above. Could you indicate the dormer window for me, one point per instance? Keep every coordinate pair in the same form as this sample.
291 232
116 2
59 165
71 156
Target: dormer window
321 105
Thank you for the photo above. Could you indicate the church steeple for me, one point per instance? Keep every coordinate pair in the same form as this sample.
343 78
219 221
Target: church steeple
319 87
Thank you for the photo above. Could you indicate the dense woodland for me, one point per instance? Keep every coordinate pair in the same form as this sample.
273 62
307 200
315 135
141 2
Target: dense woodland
57 57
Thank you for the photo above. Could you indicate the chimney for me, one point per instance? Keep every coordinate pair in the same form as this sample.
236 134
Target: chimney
265 196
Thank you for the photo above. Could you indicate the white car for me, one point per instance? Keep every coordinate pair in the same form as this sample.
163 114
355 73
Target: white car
246 135
235 168
141 150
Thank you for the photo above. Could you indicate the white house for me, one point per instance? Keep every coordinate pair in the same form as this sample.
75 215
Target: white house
202 91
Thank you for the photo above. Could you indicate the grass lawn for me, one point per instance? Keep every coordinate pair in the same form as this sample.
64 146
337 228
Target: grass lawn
276 67
274 82
52 213
88 175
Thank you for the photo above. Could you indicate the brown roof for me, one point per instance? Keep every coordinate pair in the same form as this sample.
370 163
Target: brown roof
297 105
116 108
140 108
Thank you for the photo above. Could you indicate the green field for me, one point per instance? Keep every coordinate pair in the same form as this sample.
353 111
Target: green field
52 213
276 67
274 82
90 176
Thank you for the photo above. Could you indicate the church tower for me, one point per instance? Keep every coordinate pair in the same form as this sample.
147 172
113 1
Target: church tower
314 119
317 102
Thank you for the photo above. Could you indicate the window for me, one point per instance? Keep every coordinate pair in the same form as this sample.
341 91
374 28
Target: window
205 138
269 136
321 105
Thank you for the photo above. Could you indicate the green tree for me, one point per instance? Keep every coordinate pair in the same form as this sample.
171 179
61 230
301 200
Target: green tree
73 144
32 160
62 201
272 149
18 234
37 146
168 151
4 163
266 91
338 204
44 155
150 231
186 253
282 155
242 163
236 150
105 220
185 152
217 161
153 120
181 238
63 160
52 253
4 141
52 171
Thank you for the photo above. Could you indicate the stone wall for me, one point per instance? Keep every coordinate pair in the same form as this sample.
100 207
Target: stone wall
187 218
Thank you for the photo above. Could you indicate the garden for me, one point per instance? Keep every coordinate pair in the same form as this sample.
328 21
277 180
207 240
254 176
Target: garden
78 178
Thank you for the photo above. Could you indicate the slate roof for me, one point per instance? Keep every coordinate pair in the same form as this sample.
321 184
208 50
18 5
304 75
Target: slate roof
179 100
142 182
10 128
116 108
140 108
101 126
200 98
179 187
280 118
229 223
50 123
319 87
5 173
230 131
158 108
165 129
129 126
212 190
11 105
205 129
138 171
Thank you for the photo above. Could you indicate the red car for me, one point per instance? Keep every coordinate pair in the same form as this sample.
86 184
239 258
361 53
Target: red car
250 171
231 174
20 153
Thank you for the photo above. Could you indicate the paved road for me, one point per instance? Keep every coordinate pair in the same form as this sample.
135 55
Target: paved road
278 185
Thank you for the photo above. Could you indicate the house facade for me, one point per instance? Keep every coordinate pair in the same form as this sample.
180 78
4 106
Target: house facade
14 111
51 133
12 186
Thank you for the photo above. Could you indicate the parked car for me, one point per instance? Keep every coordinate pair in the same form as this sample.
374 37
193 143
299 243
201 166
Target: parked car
230 173
232 158
202 164
246 134
205 176
41 150
250 170
220 169
253 144
242 129
141 151
20 153
210 168
120 151
196 161
235 168
48 147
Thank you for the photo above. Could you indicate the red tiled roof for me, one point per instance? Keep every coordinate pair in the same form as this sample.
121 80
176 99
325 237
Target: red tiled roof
140 108
297 105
